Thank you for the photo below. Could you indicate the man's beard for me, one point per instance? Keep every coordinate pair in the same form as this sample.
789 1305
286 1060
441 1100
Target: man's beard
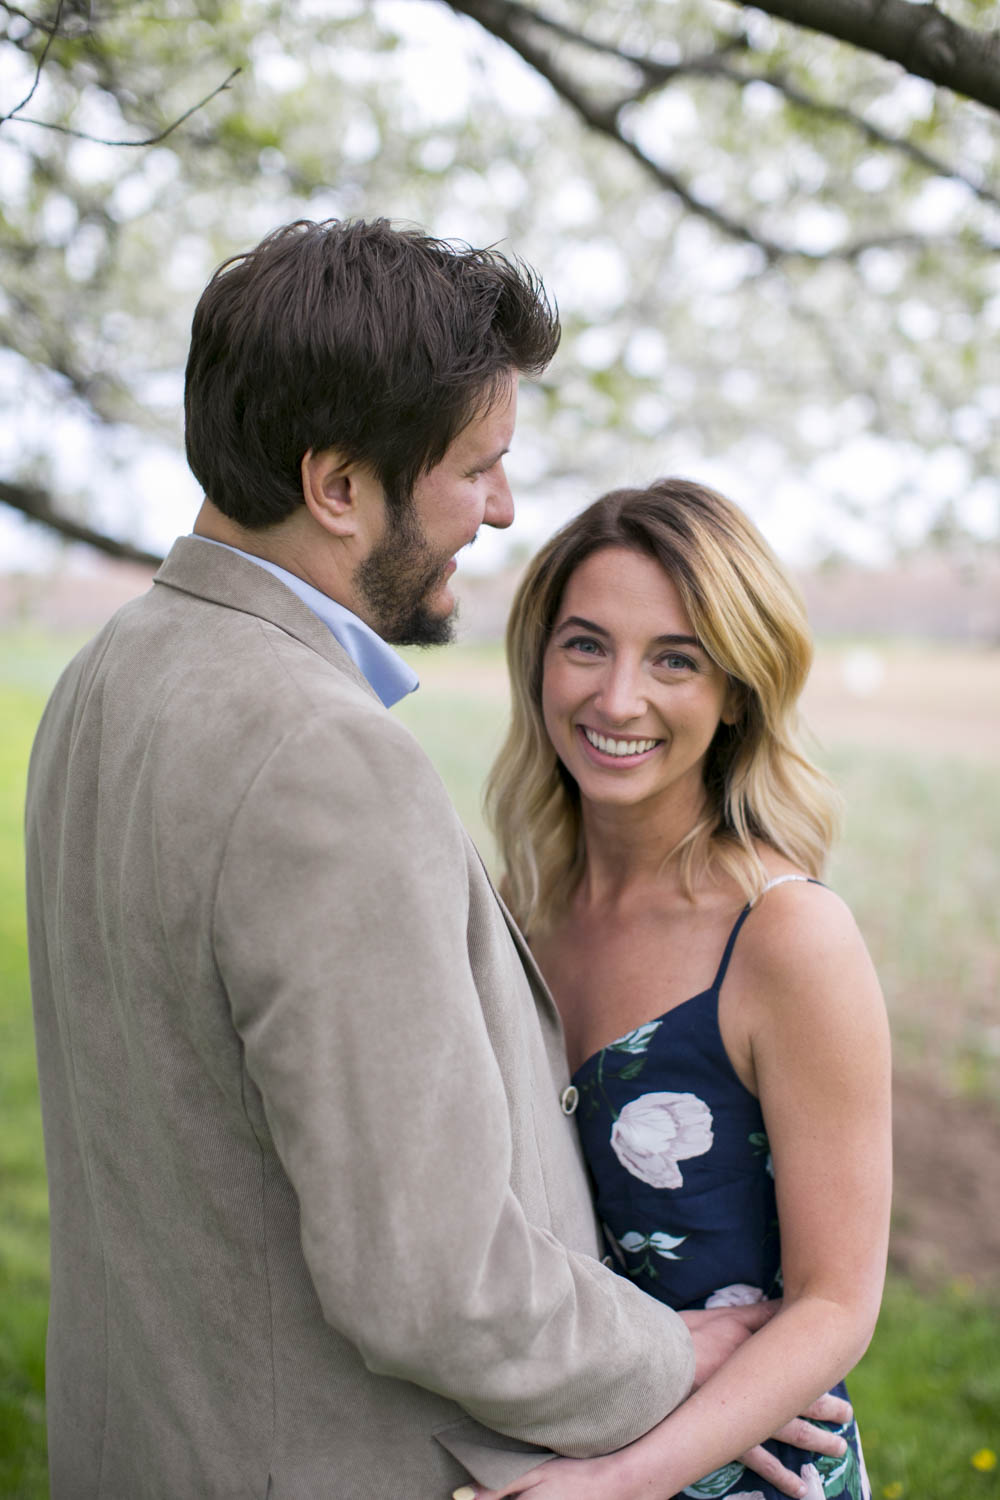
397 580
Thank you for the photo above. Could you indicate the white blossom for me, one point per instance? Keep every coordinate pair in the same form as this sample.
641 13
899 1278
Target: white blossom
656 1131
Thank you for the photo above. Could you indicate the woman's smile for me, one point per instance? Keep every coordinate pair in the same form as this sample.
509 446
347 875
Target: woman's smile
606 747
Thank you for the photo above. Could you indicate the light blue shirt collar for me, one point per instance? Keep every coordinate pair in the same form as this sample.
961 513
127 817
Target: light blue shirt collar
382 667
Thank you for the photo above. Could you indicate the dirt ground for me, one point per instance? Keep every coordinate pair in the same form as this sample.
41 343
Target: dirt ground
940 699
946 1204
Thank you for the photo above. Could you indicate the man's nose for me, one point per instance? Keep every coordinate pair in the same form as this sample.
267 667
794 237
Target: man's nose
499 510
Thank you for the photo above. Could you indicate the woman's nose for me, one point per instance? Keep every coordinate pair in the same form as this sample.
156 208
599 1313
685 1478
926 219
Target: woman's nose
620 697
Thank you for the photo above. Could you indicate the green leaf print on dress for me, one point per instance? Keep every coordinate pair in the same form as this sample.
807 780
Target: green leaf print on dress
634 1044
841 1476
716 1483
762 1147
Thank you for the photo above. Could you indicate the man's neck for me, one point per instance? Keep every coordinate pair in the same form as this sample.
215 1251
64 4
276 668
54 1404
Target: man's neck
281 544
211 522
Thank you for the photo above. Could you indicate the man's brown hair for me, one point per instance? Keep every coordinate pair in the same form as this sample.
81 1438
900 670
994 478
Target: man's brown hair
379 342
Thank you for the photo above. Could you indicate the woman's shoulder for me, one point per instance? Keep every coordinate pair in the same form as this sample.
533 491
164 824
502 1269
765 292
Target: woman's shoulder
799 936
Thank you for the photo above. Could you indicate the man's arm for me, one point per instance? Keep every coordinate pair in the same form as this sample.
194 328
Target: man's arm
341 933
716 1333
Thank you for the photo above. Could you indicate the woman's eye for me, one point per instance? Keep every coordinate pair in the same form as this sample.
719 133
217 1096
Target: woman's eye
677 663
583 643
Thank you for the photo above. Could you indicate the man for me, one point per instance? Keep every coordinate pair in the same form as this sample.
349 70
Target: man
319 1224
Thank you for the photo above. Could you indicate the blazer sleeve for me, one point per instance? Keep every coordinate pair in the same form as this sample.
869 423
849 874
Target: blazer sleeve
340 930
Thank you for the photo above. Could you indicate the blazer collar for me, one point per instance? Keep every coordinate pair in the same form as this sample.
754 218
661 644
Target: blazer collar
221 576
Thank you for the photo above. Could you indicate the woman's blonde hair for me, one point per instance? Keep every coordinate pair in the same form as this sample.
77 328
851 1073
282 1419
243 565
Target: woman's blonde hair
750 619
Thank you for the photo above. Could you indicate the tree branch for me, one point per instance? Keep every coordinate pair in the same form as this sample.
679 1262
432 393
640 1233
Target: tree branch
840 112
505 20
55 353
36 504
919 37
61 21
150 140
717 65
53 33
510 22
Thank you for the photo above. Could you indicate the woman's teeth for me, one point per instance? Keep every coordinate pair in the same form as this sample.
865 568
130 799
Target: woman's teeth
618 747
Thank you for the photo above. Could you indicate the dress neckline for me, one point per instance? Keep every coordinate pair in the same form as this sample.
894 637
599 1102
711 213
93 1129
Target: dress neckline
713 988
656 1021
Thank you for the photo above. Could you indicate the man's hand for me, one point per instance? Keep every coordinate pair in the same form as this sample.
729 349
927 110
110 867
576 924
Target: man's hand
717 1332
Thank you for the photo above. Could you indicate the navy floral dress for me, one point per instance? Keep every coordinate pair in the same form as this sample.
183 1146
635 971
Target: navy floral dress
685 1190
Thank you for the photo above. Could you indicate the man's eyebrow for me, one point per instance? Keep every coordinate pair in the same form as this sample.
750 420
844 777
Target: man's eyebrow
481 465
577 622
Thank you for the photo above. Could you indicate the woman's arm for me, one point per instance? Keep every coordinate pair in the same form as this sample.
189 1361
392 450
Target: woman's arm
820 1051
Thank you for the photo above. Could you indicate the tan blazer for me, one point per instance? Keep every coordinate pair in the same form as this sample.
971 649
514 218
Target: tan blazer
319 1224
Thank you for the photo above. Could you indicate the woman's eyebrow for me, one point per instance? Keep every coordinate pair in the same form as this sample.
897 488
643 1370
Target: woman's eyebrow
577 622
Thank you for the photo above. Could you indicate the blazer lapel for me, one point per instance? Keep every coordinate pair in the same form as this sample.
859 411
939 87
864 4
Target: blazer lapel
535 977
196 567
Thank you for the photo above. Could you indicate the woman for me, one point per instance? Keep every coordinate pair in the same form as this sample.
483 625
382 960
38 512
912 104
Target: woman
664 835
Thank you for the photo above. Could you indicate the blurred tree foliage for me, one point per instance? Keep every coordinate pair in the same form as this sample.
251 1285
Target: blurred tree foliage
770 246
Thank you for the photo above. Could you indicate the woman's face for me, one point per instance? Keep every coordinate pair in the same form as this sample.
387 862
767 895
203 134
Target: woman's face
630 698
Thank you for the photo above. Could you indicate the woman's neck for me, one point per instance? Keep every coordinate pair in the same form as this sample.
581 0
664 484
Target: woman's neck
627 849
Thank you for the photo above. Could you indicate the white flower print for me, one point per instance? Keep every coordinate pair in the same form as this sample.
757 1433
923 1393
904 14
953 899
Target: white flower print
656 1131
737 1295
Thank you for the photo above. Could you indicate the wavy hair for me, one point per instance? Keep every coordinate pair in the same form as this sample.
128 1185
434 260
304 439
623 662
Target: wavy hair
749 616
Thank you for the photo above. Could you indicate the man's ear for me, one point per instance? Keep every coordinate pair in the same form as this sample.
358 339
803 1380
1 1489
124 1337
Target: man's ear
330 491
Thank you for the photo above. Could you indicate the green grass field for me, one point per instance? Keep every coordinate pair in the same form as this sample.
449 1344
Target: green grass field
928 1392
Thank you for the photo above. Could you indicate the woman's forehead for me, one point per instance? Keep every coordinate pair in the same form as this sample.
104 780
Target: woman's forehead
624 582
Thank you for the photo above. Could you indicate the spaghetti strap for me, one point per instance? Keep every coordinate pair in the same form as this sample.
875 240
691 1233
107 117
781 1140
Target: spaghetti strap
734 934
730 945
780 880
